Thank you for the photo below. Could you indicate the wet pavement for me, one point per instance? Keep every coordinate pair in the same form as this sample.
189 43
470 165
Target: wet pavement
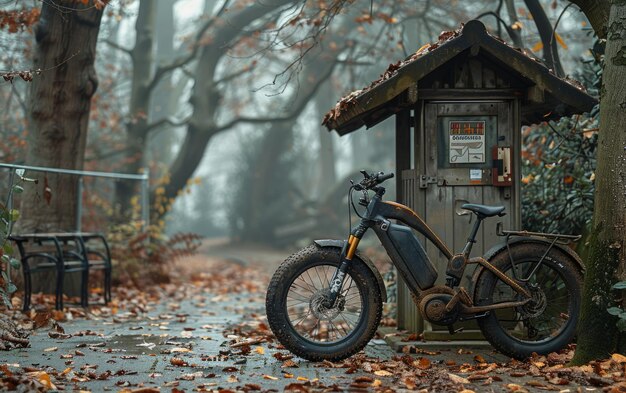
204 338
139 352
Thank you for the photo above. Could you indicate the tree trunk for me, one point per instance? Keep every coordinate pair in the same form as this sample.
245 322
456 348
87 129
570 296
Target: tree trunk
597 11
328 175
265 196
598 336
206 96
142 56
164 103
59 111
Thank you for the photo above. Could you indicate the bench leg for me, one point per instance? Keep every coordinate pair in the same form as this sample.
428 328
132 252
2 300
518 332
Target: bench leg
27 290
84 289
59 294
107 286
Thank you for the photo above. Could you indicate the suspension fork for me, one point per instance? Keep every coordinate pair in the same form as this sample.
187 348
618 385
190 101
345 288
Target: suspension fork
347 253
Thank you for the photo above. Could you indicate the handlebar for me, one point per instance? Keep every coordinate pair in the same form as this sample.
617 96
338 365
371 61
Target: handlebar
370 180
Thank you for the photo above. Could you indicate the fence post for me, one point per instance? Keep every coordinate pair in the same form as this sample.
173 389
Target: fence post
145 199
10 207
79 205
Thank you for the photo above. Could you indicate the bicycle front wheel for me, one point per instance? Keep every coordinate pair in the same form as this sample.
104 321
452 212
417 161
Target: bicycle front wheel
297 309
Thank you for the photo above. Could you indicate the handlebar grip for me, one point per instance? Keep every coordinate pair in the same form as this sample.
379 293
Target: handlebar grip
382 177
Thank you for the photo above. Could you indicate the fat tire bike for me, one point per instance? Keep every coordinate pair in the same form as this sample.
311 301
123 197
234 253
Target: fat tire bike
325 301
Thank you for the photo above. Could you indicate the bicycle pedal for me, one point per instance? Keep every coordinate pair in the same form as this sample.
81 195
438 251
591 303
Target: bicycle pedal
453 331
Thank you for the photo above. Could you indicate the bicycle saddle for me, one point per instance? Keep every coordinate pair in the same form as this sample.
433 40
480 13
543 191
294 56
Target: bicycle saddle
484 210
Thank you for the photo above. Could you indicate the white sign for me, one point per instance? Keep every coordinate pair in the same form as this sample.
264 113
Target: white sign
467 141
476 174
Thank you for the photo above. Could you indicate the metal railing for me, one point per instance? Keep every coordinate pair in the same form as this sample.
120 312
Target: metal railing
143 177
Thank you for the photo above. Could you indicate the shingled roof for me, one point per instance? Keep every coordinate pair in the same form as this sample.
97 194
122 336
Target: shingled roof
373 104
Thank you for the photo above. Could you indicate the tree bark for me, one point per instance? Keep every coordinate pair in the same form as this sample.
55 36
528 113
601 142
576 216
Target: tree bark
11 336
597 11
59 111
598 336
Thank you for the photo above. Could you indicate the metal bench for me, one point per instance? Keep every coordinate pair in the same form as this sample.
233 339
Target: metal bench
64 253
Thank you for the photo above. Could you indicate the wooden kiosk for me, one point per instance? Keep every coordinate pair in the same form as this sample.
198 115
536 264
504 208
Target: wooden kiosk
459 104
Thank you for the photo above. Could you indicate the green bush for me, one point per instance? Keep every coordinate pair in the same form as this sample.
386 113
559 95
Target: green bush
8 216
558 168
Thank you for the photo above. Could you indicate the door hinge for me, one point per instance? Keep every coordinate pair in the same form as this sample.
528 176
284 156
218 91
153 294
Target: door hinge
426 180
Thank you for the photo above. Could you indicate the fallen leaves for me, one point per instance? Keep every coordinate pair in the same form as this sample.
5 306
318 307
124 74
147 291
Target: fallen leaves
176 361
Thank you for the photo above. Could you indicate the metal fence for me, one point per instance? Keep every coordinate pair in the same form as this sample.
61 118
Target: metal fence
144 178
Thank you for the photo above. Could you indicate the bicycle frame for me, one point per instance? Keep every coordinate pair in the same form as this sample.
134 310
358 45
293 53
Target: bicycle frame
377 217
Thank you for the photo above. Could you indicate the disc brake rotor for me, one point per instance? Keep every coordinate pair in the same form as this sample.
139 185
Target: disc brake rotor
318 307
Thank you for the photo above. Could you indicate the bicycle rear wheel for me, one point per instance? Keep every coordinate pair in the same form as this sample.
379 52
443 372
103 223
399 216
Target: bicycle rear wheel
548 321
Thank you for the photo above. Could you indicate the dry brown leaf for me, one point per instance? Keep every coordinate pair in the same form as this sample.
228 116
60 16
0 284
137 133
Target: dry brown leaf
44 379
383 373
176 361
422 364
457 379
409 382
270 377
619 358
479 359
51 349
296 387
289 363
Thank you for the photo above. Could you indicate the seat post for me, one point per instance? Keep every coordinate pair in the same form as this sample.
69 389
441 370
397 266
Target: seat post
472 237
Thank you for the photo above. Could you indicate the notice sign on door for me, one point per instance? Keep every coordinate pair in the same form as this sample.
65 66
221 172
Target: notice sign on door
467 141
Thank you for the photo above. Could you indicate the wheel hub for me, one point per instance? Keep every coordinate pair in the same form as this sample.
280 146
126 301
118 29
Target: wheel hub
318 307
537 304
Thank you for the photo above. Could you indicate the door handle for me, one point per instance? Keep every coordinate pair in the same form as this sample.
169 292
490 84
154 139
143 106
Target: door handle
460 211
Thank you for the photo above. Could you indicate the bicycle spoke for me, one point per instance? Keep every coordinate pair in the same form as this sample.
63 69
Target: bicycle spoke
306 308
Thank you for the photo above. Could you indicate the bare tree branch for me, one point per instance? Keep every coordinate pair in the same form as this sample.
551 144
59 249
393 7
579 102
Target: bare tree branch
166 121
119 47
234 75
546 32
162 70
299 104
516 33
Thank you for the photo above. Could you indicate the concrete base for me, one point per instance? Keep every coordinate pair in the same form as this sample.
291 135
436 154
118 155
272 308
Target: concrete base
394 339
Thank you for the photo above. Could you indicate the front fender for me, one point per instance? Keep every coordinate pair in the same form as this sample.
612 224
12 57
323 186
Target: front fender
339 244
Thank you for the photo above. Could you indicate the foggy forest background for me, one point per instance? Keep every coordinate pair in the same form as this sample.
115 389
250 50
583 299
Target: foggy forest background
265 170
